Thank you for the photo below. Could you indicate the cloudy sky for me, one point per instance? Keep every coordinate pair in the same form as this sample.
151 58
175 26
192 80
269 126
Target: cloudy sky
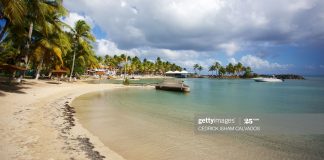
271 36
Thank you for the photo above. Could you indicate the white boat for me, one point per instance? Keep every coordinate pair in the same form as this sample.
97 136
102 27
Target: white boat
271 79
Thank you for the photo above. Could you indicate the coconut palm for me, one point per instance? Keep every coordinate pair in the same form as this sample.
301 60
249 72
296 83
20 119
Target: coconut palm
217 66
52 44
159 66
222 71
239 67
248 72
37 15
230 68
196 66
212 68
200 68
48 50
82 39
13 13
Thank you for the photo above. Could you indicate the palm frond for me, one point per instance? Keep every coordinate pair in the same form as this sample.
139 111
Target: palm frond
14 10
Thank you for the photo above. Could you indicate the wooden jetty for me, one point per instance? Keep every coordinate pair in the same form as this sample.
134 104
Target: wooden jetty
172 85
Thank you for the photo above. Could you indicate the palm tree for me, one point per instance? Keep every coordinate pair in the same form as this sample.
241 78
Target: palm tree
200 68
166 66
222 70
48 50
230 68
51 47
248 72
82 38
239 67
135 63
37 13
196 66
158 65
217 66
13 12
212 69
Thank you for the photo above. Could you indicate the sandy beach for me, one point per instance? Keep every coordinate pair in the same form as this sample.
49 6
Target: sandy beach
36 122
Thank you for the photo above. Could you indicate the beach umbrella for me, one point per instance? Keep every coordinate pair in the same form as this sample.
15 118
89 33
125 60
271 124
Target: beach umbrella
11 69
59 73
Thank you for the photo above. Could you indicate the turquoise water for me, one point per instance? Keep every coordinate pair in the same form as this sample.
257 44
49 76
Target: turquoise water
132 81
160 123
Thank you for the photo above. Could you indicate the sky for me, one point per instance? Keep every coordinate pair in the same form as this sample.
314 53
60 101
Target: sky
271 36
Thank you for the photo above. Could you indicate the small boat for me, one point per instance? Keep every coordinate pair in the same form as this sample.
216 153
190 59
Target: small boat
173 86
270 79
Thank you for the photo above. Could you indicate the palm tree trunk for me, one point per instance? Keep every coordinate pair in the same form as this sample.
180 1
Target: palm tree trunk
39 68
72 68
30 32
31 26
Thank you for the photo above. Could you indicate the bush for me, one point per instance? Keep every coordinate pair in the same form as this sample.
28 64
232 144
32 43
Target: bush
126 81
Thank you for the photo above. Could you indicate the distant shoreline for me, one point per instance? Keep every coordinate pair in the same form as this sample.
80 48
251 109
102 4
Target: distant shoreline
279 76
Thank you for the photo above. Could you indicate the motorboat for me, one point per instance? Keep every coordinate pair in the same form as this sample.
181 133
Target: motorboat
268 79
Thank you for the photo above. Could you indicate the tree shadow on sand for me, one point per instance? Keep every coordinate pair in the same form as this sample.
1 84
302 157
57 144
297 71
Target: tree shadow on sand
14 87
52 82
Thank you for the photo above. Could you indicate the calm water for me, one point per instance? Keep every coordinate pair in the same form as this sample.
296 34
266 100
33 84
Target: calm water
148 124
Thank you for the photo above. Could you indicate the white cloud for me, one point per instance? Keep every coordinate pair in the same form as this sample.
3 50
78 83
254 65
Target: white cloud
230 48
184 58
189 31
73 17
232 60
199 25
301 5
107 47
123 3
258 63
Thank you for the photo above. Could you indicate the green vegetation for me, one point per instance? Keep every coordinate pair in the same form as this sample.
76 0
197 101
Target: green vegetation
198 67
228 71
34 37
133 65
126 82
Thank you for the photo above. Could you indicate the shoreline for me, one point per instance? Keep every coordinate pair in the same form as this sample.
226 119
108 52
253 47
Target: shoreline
38 122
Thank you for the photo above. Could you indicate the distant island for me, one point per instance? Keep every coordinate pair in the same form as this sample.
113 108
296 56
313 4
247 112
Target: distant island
236 71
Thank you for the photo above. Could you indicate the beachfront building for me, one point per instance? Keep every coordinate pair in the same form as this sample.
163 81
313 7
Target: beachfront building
101 71
177 74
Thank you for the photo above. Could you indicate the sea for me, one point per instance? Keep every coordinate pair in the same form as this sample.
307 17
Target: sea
141 123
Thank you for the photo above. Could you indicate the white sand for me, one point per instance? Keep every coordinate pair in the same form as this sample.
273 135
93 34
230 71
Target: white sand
32 119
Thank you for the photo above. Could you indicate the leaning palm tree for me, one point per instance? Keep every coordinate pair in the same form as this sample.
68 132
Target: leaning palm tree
82 39
51 45
38 11
48 51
